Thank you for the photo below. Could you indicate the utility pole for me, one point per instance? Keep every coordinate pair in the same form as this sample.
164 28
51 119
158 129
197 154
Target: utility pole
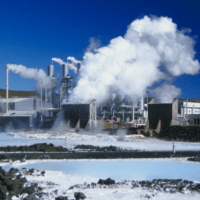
41 98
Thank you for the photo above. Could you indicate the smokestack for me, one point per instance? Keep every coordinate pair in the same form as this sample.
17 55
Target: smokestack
50 70
133 114
65 70
7 86
142 106
78 67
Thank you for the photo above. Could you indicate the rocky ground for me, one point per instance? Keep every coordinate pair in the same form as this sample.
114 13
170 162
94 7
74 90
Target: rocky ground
42 147
14 185
195 159
49 151
180 133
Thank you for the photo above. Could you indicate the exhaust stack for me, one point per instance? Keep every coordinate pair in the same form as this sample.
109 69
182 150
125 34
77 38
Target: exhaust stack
7 86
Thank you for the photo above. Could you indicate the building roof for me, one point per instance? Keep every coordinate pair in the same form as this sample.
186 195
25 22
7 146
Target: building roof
13 100
13 113
14 93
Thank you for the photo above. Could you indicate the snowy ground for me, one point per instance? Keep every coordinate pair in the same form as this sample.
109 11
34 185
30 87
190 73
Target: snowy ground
58 180
131 142
64 179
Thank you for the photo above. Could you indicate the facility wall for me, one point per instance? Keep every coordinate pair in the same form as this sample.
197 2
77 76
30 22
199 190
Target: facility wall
16 122
24 105
75 112
158 112
175 107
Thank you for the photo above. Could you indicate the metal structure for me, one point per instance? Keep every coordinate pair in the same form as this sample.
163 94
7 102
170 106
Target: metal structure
80 116
50 70
7 87
122 108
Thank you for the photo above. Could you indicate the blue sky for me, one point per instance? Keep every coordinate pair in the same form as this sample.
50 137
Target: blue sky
34 31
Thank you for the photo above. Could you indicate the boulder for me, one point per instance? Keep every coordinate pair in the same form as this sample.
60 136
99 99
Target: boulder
61 198
79 195
108 181
31 197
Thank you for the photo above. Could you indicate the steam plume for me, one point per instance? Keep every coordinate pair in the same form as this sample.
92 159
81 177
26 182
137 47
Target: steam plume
94 44
31 73
166 93
69 65
73 60
151 50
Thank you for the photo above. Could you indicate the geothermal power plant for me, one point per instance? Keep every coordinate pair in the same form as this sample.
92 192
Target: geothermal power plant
52 105
42 110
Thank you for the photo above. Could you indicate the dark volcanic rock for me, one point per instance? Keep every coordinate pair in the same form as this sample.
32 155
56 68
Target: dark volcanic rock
181 133
61 198
108 181
31 197
12 183
97 148
41 147
195 158
79 195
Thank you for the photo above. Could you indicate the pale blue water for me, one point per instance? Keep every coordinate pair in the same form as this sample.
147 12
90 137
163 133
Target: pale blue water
123 169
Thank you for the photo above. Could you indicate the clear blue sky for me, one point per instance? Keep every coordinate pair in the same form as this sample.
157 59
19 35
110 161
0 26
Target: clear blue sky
34 31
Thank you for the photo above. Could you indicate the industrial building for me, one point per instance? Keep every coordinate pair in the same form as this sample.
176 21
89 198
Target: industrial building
28 112
80 116
41 110
122 108
179 112
119 111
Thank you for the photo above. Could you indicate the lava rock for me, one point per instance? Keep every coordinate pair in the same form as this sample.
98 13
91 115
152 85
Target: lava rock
79 195
31 197
61 198
97 148
41 147
108 181
183 133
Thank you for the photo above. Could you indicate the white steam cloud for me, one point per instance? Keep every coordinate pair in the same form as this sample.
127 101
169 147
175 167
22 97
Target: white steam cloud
152 49
31 73
94 44
166 93
69 65
73 60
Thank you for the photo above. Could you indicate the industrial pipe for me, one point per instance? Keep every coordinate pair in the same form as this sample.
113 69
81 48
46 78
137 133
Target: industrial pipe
133 114
7 86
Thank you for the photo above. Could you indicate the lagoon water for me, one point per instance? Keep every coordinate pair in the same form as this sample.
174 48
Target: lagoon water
121 169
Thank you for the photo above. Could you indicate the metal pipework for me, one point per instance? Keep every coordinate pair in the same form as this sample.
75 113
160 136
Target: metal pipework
7 86
142 106
133 113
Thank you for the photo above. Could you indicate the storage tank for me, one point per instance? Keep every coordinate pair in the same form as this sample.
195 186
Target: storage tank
50 70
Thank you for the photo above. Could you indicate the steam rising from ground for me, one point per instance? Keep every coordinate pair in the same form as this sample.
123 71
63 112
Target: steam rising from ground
31 73
153 49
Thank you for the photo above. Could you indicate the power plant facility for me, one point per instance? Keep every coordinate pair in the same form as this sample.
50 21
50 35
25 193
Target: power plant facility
118 111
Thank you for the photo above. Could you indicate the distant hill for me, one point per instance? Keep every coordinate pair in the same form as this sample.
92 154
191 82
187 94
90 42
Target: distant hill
14 93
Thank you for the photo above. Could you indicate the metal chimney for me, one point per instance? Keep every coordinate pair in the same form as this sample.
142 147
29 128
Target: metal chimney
50 70
78 68
133 114
7 86
65 70
142 106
